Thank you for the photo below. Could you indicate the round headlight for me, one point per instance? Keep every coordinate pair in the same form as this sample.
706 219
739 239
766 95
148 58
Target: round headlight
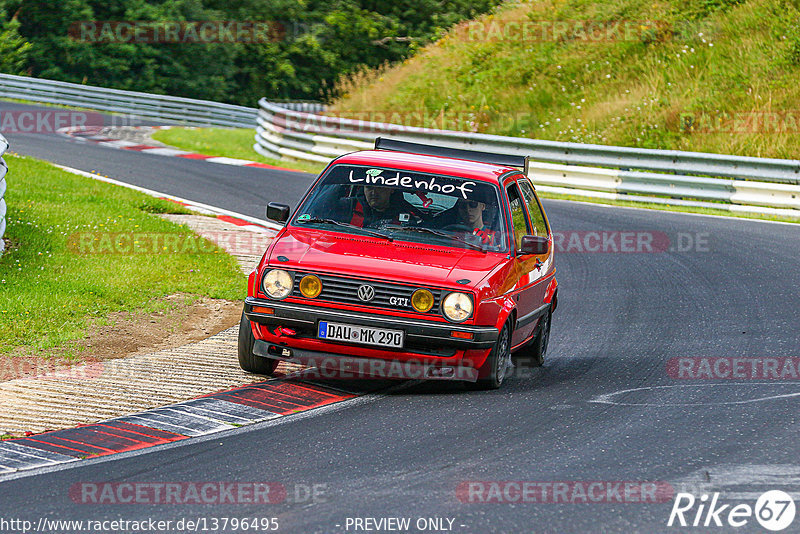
277 284
310 286
422 300
457 307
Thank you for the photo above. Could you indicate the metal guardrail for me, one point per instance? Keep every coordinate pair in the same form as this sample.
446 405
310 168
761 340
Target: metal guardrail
306 106
3 171
171 109
733 183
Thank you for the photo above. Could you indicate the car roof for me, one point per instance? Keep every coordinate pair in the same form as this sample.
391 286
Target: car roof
486 172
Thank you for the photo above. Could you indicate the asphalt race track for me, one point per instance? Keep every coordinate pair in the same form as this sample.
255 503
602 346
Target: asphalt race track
609 405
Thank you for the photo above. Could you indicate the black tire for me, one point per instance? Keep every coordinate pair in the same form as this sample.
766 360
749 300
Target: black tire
247 360
497 365
535 352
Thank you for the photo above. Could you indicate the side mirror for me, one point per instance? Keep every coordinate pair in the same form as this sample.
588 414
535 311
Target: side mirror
533 244
277 212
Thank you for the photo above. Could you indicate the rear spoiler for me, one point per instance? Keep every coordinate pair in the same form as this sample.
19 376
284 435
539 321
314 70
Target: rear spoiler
458 153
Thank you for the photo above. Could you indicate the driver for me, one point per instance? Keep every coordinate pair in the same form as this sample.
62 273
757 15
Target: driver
470 213
381 206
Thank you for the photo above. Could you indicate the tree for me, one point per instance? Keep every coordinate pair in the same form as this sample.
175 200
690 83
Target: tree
318 42
14 49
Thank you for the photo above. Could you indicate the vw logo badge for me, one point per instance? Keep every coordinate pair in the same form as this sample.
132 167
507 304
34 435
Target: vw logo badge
366 293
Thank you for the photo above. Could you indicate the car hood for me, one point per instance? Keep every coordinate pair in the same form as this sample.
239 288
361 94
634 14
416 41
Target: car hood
364 256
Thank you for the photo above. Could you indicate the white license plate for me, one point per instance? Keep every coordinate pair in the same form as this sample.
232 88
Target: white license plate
364 335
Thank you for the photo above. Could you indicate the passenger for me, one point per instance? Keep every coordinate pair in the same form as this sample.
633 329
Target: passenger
467 215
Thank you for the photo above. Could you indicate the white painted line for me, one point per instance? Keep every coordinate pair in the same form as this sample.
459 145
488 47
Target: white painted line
228 412
35 453
191 203
163 151
229 161
15 460
606 398
184 417
161 421
217 417
189 425
193 419
118 143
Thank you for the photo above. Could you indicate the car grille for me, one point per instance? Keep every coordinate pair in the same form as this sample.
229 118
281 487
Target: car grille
345 290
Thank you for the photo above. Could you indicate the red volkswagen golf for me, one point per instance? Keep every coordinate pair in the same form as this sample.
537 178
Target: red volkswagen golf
407 261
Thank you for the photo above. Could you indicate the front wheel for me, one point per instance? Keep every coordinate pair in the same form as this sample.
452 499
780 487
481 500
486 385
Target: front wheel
247 360
536 350
497 364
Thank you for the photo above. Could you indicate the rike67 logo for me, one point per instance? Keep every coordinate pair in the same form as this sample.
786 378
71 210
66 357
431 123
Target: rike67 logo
774 510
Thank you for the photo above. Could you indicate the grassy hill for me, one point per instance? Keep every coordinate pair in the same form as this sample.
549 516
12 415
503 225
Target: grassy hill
706 75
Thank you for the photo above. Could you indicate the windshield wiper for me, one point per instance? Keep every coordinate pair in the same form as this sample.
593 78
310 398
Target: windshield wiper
436 233
346 225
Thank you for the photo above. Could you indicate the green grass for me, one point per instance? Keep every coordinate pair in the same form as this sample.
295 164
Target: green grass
228 142
701 75
60 271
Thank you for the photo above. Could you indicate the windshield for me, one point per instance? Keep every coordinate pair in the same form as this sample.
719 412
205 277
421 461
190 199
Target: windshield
407 206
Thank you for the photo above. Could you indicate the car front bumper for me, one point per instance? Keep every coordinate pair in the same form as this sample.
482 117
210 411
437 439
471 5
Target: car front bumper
332 366
419 332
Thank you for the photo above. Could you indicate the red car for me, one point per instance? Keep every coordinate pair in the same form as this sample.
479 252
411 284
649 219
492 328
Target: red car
407 261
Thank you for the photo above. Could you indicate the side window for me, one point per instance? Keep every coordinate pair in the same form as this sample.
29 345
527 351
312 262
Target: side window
534 209
518 218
